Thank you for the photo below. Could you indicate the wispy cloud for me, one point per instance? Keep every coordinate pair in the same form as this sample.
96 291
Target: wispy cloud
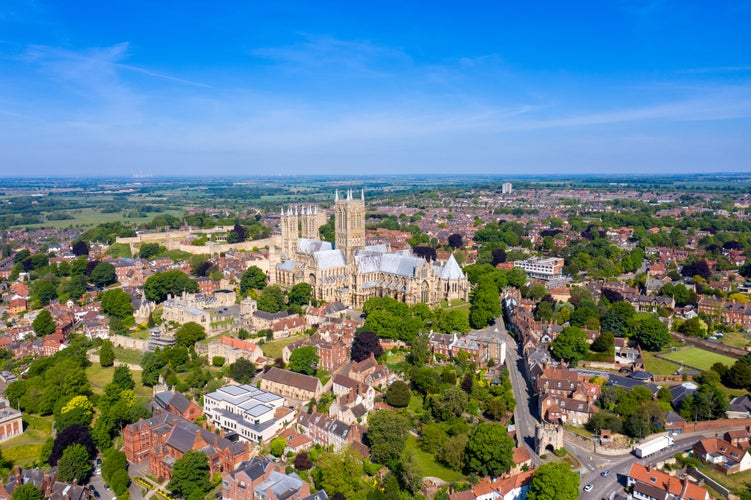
323 51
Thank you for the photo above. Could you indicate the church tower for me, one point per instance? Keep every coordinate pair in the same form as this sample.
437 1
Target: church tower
290 232
349 224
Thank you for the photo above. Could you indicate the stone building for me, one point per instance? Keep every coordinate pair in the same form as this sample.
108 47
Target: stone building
11 424
291 385
350 271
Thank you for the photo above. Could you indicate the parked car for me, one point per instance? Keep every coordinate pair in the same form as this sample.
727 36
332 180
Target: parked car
588 487
605 473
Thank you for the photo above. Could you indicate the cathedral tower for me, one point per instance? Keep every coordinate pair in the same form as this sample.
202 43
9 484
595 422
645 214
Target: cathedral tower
349 224
290 232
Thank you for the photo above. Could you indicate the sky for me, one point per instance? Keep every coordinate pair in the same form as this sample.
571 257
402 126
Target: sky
228 88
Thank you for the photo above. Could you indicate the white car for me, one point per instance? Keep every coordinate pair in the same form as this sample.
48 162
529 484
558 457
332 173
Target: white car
588 487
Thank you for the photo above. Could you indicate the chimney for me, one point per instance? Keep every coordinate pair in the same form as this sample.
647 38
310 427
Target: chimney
19 476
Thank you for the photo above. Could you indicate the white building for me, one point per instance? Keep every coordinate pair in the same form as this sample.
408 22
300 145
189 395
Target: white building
544 269
506 188
253 414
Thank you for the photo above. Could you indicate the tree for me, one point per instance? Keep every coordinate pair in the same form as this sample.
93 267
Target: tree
603 343
419 352
738 376
694 327
456 240
103 274
43 324
243 370
158 286
26 492
554 481
122 378
652 334
489 450
76 286
451 403
387 435
237 234
190 473
485 304
190 333
119 481
106 354
304 360
74 464
277 446
80 248
570 345
272 300
365 344
618 319
45 291
398 394
112 461
149 250
300 294
339 474
253 279
302 461
74 434
152 364
116 303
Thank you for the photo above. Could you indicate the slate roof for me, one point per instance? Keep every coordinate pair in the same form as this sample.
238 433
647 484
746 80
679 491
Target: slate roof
629 383
679 392
176 399
452 271
309 247
286 377
741 404
321 495
326 259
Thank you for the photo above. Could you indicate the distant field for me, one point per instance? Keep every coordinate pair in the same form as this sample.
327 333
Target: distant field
658 366
698 358
86 217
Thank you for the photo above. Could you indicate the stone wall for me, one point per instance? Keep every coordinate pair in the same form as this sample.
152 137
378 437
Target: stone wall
129 342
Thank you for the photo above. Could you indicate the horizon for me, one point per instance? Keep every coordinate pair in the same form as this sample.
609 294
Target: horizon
636 86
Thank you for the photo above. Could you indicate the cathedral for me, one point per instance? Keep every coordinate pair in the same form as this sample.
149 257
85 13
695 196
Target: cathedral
350 271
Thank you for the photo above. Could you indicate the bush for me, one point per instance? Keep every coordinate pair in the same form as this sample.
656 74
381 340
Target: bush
217 361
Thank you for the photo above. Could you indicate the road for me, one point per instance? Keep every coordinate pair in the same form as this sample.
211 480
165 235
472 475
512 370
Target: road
526 410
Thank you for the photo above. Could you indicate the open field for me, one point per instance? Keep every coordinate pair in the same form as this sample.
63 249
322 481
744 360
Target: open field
735 339
658 366
698 358
274 348
737 481
99 377
24 450
428 465
86 217
127 355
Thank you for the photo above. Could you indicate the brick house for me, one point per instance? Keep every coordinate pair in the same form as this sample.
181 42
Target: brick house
291 385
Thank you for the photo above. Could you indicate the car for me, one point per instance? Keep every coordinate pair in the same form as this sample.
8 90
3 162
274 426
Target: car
588 487
98 471
91 487
96 494
107 487
605 473
99 461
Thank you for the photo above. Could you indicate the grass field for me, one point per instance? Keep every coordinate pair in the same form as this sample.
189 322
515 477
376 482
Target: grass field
658 366
428 465
274 348
85 217
127 355
698 358
735 339
737 481
24 450
99 377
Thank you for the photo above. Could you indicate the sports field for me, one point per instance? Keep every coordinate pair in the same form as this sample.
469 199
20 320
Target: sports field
698 358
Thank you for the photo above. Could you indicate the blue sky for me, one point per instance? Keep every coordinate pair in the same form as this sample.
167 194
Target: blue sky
265 88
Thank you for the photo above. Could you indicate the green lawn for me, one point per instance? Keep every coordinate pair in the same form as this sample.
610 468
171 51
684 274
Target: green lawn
737 481
99 377
274 348
735 339
428 465
456 304
658 366
698 358
24 450
128 355
84 217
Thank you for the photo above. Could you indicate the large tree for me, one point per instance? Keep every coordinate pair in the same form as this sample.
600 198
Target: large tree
387 435
304 360
190 333
74 464
570 345
116 303
652 333
485 304
74 434
554 481
300 294
489 450
107 354
272 300
253 279
103 274
80 248
190 473
243 371
43 324
398 394
26 491
365 344
158 286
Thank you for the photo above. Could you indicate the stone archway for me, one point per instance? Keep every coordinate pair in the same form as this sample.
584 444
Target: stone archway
548 435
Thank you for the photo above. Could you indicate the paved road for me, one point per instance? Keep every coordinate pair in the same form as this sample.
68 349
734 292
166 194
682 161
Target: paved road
525 411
